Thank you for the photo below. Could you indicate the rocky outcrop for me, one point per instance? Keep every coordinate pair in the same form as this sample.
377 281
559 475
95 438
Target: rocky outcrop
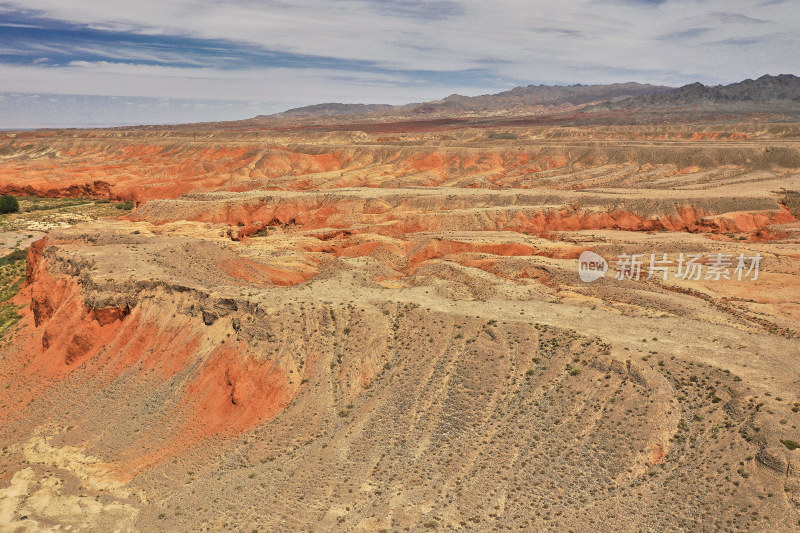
454 210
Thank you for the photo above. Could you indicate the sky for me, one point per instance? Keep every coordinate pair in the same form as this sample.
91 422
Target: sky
110 62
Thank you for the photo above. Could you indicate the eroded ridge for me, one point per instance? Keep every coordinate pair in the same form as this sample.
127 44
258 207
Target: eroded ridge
357 346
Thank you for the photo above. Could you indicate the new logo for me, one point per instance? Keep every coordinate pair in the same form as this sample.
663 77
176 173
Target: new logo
591 266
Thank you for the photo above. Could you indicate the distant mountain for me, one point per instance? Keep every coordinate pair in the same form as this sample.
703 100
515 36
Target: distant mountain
331 110
533 99
542 96
578 104
766 89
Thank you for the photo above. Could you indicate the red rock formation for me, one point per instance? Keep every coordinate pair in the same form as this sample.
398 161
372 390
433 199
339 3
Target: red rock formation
233 392
227 391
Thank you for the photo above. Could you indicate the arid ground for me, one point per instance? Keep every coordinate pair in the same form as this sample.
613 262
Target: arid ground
381 326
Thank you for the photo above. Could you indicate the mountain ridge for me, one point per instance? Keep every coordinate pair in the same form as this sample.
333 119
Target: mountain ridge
781 91
539 96
765 89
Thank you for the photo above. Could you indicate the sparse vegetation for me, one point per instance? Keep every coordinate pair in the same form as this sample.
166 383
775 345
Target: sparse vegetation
12 275
504 135
30 204
44 213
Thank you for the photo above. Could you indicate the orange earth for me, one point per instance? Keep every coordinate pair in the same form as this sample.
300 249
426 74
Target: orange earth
334 328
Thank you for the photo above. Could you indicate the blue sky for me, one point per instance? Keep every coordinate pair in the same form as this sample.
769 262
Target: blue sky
190 60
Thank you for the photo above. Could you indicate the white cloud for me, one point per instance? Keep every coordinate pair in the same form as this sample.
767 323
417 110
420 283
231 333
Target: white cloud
462 35
382 47
279 85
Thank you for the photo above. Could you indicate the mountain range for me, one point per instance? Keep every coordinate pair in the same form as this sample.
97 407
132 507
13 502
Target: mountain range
781 91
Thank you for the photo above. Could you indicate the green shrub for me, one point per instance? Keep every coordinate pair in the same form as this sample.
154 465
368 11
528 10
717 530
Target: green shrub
494 135
8 204
126 205
792 445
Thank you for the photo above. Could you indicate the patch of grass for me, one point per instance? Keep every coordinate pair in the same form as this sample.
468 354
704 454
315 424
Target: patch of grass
792 445
29 204
12 275
13 257
505 135
35 211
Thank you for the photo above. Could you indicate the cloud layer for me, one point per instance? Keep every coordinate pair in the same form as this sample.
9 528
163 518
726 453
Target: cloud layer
285 53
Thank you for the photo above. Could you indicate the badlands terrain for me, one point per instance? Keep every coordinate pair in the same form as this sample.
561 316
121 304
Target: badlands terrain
365 324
